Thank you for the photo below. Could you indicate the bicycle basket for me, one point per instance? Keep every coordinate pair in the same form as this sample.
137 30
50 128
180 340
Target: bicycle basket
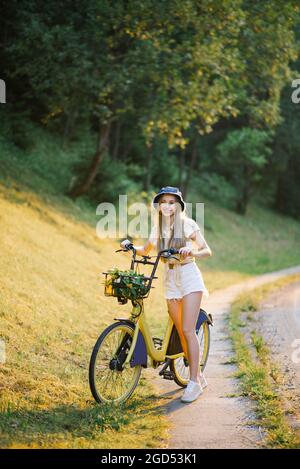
126 284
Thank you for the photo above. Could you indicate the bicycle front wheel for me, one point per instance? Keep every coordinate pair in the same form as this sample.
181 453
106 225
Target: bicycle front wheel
180 367
111 381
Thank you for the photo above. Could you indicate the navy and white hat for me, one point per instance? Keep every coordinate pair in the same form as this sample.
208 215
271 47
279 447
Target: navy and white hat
170 190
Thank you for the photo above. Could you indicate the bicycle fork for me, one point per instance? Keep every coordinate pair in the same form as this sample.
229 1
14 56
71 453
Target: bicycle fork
133 344
125 336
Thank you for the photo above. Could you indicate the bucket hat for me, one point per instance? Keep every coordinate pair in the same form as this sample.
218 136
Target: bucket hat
169 190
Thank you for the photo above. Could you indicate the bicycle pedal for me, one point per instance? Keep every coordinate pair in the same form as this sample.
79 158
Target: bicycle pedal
168 374
165 366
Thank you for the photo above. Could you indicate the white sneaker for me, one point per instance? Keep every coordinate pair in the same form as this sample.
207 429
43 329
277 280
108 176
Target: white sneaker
192 392
203 382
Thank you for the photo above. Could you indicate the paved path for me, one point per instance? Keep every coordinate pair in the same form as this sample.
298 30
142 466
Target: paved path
215 420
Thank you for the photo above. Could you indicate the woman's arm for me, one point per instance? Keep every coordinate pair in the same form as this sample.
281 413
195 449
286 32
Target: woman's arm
141 250
144 250
203 248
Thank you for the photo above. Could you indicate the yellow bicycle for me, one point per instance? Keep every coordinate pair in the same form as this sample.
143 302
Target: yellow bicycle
126 346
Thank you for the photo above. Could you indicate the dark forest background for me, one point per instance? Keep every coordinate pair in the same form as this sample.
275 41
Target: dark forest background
113 97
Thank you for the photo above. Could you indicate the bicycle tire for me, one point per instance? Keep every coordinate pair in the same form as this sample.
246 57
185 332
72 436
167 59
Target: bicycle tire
99 394
177 364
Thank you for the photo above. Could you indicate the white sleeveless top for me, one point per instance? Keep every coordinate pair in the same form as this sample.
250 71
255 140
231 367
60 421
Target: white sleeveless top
189 227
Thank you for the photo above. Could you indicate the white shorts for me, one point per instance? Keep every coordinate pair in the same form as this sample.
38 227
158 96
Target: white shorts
182 280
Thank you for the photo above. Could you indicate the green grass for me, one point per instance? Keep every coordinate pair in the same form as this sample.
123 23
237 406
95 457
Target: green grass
259 242
52 305
80 426
52 309
259 375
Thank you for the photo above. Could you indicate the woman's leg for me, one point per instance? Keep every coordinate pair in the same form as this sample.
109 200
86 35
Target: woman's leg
175 311
190 311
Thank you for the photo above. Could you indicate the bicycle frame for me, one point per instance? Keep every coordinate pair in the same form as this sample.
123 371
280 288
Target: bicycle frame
141 326
142 331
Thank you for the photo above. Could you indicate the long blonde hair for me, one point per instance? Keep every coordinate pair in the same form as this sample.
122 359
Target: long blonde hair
177 238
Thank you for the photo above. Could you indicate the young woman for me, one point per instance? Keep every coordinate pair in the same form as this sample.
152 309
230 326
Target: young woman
183 282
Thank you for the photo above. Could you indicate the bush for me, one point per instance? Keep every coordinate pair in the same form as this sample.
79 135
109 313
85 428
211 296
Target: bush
216 188
114 178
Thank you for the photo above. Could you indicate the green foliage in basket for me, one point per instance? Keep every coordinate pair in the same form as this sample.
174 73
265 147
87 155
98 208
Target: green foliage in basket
125 284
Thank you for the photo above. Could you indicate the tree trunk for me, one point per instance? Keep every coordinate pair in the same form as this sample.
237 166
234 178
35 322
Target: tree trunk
68 124
126 152
190 169
182 168
241 205
279 199
243 200
115 151
149 167
83 187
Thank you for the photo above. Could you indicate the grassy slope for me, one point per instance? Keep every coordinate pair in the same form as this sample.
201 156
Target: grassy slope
52 308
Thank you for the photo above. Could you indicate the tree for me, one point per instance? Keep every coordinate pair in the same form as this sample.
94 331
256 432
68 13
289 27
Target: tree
267 47
243 155
102 60
137 75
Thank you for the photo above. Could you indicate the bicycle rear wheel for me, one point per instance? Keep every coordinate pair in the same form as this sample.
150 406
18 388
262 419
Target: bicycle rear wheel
180 367
110 380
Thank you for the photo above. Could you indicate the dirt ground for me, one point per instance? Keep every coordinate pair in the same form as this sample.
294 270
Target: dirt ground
217 419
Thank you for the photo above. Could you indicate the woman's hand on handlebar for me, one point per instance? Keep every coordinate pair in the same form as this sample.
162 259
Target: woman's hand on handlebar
185 251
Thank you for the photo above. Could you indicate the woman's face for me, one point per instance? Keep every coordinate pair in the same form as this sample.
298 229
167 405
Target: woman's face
167 204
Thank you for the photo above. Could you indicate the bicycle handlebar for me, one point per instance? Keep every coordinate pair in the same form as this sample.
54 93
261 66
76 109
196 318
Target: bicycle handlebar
130 247
166 253
172 251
